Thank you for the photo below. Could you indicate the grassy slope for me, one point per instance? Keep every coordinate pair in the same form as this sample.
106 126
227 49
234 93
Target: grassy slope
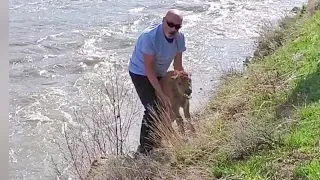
265 123
262 124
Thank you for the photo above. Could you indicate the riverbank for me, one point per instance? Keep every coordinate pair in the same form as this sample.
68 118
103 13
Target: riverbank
263 123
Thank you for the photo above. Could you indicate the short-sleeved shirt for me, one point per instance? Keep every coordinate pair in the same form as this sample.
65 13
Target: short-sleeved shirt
152 41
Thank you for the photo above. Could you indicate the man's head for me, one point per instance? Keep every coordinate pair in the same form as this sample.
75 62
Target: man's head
172 22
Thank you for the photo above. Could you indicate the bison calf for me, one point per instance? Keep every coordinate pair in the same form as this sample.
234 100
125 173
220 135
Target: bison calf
177 86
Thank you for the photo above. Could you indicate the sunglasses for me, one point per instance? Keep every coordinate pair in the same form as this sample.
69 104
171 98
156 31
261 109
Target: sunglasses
176 26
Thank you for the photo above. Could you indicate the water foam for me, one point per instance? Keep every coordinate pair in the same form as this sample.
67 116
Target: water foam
191 20
136 10
90 49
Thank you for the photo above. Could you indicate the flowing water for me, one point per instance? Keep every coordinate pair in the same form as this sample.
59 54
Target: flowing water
61 49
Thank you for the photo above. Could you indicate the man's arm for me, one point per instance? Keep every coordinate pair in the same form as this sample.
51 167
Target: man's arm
150 72
177 63
148 51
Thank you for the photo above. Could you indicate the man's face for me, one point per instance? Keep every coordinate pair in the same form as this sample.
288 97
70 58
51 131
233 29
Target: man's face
171 26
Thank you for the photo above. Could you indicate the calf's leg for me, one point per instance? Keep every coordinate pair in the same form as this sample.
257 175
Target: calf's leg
186 111
178 119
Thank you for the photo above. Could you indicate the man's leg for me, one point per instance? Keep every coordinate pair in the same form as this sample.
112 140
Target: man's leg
148 98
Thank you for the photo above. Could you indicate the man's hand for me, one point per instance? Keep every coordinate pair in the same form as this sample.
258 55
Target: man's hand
166 102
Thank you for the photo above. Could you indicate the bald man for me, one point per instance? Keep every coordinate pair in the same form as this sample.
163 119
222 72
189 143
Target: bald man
155 49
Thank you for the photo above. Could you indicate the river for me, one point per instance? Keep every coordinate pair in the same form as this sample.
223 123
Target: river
60 50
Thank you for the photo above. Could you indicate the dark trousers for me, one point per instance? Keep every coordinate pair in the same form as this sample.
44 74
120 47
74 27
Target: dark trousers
147 96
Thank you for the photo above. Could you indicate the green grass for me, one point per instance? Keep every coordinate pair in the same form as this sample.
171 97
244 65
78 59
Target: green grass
309 170
307 131
281 87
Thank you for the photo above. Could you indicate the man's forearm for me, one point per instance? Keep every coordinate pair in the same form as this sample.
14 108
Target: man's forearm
150 72
177 64
178 68
155 82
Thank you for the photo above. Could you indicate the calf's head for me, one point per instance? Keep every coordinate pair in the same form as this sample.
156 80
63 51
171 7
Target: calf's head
182 83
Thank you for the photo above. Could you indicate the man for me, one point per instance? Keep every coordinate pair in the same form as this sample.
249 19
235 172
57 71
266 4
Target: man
155 49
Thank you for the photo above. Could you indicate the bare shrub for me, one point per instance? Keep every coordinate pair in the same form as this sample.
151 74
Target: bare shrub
94 146
231 72
101 130
157 165
154 166
248 136
312 6
274 35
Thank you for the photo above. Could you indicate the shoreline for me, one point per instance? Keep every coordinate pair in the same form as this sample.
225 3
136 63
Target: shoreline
237 116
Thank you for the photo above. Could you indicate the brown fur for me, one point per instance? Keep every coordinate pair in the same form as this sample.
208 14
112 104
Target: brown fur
175 85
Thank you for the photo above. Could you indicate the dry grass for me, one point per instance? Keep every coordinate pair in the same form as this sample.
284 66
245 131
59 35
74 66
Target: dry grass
127 168
312 6
162 163
273 36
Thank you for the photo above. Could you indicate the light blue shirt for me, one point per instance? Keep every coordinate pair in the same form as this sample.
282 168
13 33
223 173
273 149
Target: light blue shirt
152 41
